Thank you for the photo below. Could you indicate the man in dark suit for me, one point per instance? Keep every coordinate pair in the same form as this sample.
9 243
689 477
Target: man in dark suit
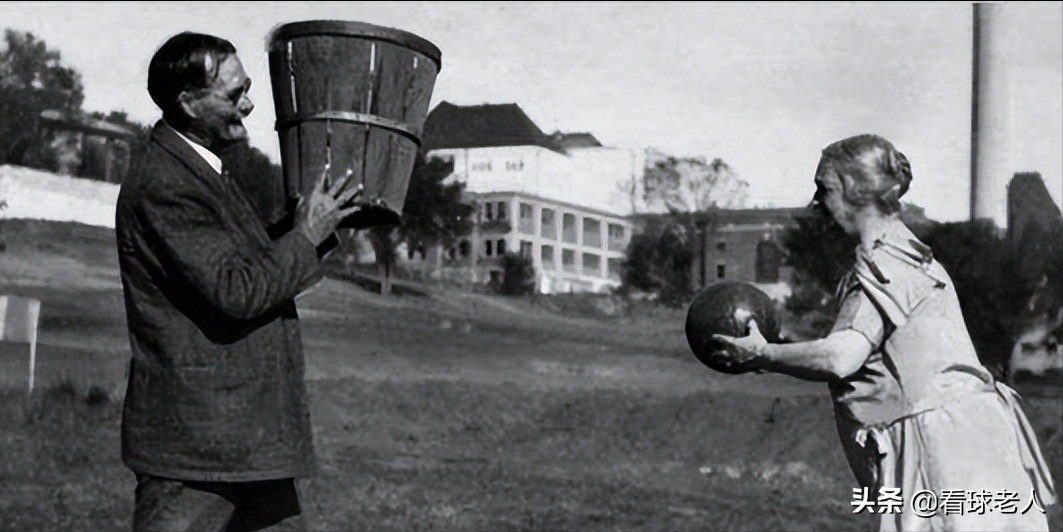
215 423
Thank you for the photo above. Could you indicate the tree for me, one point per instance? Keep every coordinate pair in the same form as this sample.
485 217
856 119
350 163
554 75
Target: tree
32 79
690 184
434 213
660 258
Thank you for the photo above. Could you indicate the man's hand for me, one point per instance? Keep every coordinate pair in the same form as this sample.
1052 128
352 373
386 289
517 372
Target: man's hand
318 215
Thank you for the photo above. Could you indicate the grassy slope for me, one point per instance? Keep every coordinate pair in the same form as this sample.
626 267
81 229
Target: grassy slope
443 411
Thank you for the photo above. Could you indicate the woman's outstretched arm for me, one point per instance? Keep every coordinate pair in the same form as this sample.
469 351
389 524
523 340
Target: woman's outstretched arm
837 356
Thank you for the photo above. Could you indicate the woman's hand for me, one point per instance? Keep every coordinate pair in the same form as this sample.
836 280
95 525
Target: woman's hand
743 354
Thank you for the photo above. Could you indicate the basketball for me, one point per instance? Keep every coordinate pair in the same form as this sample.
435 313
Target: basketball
726 308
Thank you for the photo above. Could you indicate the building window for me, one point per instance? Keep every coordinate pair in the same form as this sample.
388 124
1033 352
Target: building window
548 224
487 248
568 260
568 229
768 262
463 248
546 257
489 211
721 246
526 249
526 221
592 233
502 212
501 248
615 267
616 238
592 265
721 271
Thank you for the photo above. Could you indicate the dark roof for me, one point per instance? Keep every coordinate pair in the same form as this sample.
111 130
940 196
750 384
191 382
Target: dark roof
482 126
575 140
759 216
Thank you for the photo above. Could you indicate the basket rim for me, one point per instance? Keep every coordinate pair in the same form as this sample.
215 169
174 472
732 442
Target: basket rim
350 28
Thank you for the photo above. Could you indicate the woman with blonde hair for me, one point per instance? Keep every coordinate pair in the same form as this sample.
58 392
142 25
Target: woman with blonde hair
916 411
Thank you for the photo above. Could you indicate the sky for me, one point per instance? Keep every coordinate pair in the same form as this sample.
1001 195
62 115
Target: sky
764 86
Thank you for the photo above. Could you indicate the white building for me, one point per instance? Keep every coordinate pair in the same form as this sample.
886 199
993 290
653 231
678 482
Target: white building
560 199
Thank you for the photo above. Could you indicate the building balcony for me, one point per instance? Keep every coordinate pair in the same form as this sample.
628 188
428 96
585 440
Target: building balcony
500 227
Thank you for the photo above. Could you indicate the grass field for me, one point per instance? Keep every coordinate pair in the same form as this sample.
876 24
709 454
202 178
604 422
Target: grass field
440 410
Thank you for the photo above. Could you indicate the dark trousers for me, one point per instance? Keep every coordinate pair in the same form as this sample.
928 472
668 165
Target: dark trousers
165 505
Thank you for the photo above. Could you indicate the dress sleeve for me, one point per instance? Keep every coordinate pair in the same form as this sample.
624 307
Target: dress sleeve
859 313
896 284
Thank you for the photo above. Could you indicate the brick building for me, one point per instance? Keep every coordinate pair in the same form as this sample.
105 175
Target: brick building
744 245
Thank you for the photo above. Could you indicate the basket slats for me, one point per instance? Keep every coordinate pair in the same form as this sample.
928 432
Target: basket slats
355 98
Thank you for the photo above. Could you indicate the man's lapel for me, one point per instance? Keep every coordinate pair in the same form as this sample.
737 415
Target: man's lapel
176 146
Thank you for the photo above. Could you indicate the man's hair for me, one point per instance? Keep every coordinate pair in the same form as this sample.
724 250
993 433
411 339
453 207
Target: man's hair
187 61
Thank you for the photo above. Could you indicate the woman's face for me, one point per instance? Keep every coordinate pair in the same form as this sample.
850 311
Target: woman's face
831 196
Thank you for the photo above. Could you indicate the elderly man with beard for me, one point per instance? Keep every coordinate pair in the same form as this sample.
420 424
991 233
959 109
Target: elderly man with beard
215 423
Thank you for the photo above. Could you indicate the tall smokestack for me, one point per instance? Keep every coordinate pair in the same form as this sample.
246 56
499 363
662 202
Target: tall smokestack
991 115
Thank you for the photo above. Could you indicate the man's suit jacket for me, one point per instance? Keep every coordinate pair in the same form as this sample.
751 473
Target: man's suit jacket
216 389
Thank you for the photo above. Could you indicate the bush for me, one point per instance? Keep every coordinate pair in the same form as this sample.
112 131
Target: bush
518 275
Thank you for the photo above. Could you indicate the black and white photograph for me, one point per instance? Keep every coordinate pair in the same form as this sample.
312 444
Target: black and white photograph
545 266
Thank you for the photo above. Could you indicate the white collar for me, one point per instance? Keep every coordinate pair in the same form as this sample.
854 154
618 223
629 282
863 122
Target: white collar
213 160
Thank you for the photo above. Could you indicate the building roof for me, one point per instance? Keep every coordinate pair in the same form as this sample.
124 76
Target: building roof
482 126
575 140
783 216
86 125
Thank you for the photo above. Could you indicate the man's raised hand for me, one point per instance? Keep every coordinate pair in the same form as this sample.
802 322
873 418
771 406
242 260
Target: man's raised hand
329 203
